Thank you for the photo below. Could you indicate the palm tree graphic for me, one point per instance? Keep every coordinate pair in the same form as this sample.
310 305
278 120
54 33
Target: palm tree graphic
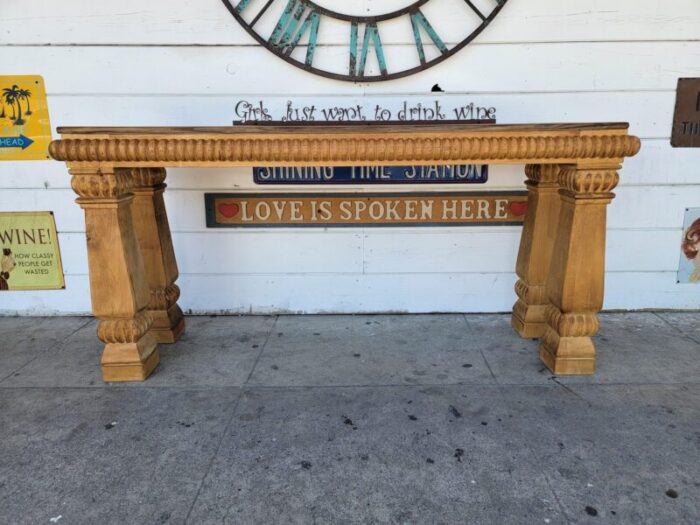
25 95
8 95
13 97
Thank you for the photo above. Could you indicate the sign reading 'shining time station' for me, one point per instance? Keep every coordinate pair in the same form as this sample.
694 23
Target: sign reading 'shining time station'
465 174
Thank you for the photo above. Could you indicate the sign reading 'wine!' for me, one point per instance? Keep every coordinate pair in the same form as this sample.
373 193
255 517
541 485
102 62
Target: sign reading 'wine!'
235 210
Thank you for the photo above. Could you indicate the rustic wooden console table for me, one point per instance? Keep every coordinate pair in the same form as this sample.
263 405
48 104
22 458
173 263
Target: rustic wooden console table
119 174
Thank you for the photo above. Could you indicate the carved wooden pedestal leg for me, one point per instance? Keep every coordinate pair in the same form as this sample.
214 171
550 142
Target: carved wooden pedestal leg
153 234
577 272
118 285
536 246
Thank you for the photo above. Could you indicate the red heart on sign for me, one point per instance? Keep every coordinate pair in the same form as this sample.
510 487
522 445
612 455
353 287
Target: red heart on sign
229 210
518 208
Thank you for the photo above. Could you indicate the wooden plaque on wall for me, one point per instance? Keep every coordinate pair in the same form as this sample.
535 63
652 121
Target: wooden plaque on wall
235 210
686 121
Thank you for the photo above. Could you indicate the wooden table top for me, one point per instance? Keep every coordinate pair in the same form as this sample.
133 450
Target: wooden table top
345 144
358 128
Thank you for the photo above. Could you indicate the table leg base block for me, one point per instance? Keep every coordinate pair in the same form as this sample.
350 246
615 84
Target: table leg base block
528 321
130 361
570 356
527 330
168 325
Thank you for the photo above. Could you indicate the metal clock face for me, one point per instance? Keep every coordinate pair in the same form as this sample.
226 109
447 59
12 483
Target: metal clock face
364 41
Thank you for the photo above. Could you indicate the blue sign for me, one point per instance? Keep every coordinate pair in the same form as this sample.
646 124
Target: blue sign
16 142
465 174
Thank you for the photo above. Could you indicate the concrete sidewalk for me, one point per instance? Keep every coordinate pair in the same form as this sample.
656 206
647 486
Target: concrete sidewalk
352 419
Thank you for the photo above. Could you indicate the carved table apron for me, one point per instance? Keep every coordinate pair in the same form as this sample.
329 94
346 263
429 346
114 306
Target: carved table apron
119 174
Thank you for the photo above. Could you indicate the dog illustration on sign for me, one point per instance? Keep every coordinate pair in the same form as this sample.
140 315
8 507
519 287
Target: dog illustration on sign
7 264
691 249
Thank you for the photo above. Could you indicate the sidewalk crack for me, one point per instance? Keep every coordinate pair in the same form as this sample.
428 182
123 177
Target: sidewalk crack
234 408
488 366
687 336
61 346
262 349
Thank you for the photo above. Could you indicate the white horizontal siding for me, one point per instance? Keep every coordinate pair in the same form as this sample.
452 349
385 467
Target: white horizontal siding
185 63
364 293
379 251
509 68
129 22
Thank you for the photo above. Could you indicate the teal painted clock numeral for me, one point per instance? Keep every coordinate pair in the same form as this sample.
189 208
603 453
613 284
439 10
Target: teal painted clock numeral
242 5
418 20
290 29
372 37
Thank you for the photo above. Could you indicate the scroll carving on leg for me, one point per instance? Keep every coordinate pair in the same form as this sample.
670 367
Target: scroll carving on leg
153 234
118 287
536 244
577 272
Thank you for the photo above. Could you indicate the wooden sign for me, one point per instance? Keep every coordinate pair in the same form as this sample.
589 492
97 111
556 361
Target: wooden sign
465 174
25 130
29 255
686 121
225 210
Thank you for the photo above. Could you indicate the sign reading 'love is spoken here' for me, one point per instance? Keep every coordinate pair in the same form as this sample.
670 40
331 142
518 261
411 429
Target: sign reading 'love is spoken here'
364 209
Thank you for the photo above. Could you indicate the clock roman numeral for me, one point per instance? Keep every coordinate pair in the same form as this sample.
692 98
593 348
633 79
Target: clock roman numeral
297 19
371 37
419 21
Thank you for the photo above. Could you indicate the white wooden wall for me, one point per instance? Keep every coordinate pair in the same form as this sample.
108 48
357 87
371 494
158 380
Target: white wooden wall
177 62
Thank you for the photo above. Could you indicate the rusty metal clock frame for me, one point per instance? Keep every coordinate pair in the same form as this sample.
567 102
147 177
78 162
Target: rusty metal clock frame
300 20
